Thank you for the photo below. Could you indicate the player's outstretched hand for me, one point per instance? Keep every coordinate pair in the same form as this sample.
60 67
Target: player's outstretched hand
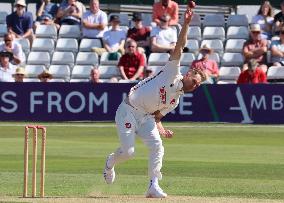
188 15
167 134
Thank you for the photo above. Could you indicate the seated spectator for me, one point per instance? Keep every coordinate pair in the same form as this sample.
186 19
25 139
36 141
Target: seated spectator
70 12
131 64
14 47
46 19
19 74
45 76
140 34
113 39
6 68
265 19
46 7
163 37
252 75
94 22
255 48
164 7
279 19
277 50
95 75
210 66
20 22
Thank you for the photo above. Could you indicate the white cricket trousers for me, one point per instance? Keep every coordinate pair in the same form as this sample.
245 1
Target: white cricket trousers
131 122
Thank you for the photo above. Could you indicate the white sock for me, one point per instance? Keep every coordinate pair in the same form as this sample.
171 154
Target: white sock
154 181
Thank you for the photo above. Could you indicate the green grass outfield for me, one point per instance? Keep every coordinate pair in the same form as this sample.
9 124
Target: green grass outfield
203 160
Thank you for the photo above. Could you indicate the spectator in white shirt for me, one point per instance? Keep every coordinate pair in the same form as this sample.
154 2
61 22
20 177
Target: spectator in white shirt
94 22
163 37
6 68
14 47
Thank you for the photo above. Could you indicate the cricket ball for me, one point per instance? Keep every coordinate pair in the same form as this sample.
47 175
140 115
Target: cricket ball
191 4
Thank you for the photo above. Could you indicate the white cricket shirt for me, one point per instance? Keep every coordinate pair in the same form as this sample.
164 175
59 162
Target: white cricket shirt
159 92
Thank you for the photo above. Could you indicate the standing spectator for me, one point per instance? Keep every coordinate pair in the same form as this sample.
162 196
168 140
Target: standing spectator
255 48
46 7
19 74
140 34
113 39
20 22
279 19
45 76
206 64
252 75
163 37
70 12
277 50
163 7
14 47
6 68
94 22
95 75
265 19
132 63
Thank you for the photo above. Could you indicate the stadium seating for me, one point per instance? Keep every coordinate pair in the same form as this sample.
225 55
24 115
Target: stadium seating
63 58
216 45
67 44
214 56
214 33
43 44
108 72
229 73
105 61
214 20
87 58
237 20
25 43
234 32
275 74
81 71
31 80
193 46
3 15
232 59
234 45
184 69
3 29
79 80
186 59
87 44
39 58
60 72
70 31
158 59
194 32
32 71
46 31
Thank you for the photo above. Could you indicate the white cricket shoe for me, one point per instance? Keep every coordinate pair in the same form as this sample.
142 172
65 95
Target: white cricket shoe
155 191
109 173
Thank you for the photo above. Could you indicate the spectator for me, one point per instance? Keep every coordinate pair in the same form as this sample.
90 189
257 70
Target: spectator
70 12
6 68
19 74
163 37
113 39
95 75
20 22
140 34
255 48
131 64
94 22
46 7
46 19
14 47
45 76
210 66
164 7
279 19
277 50
252 75
265 19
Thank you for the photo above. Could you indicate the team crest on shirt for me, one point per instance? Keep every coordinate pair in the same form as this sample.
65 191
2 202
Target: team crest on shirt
163 95
128 125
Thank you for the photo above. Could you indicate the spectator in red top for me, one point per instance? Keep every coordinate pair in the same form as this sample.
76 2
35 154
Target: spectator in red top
140 34
210 66
255 48
132 63
252 75
163 7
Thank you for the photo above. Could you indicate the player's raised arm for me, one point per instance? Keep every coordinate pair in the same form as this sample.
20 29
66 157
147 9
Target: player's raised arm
182 38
